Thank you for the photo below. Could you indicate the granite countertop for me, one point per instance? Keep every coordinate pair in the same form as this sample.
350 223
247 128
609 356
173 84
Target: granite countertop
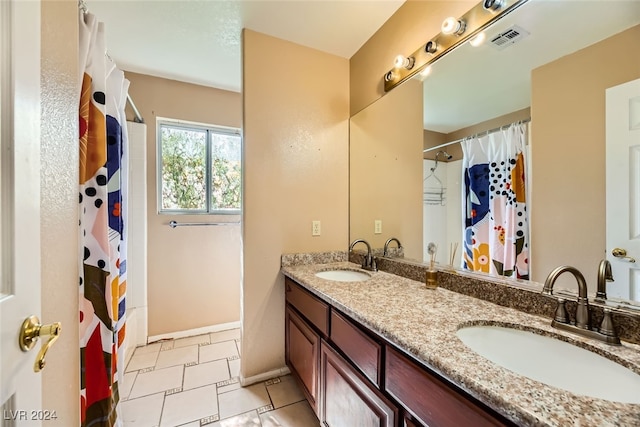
423 322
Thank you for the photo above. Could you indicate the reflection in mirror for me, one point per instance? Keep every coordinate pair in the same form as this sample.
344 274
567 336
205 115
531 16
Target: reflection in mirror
556 80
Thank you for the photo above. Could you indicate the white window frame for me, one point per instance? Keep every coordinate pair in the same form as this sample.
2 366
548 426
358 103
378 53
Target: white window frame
210 129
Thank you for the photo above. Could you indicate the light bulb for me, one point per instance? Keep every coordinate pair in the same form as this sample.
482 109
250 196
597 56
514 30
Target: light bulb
478 39
402 62
452 25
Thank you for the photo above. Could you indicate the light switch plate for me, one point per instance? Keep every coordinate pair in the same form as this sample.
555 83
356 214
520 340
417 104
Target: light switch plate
315 228
377 226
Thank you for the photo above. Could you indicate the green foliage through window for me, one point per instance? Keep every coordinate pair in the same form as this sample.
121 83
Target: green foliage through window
200 169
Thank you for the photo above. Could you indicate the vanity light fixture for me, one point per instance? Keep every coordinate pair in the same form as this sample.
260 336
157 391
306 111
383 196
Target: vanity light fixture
493 5
431 47
454 32
402 62
453 25
478 39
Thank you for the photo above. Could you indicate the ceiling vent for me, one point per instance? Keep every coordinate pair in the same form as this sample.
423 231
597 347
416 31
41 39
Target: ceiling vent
509 37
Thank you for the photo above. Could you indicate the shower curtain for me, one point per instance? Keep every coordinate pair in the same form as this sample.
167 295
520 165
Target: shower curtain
102 210
496 231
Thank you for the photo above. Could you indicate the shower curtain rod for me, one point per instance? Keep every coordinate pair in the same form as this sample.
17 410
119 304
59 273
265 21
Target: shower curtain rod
82 5
486 132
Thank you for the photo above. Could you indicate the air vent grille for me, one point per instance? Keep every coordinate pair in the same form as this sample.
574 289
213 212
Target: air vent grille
509 37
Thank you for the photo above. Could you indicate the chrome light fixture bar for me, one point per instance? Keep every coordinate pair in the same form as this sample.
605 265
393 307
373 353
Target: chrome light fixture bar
460 30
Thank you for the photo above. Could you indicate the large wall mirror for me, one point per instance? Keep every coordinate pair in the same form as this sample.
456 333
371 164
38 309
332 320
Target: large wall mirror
550 70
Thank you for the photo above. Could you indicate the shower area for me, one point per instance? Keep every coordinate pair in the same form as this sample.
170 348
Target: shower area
442 204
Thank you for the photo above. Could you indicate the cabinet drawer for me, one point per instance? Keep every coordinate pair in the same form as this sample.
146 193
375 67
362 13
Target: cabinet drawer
316 311
363 351
429 399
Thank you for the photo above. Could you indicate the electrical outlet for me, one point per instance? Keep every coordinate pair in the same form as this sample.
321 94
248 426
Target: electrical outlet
377 226
315 228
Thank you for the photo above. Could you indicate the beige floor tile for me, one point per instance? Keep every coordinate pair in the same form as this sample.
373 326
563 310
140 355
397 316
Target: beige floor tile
285 392
141 361
231 334
220 350
243 400
149 348
249 419
178 356
187 406
205 374
198 339
143 412
297 415
156 381
127 384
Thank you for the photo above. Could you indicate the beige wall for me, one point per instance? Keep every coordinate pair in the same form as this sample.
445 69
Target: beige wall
568 153
296 143
193 272
413 24
59 206
385 150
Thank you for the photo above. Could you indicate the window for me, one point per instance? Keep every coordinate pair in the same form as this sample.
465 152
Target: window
199 168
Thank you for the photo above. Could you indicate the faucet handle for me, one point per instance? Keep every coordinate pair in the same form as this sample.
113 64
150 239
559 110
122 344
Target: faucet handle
561 315
606 327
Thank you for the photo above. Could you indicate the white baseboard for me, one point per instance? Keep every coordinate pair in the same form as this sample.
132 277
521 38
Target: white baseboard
194 332
264 376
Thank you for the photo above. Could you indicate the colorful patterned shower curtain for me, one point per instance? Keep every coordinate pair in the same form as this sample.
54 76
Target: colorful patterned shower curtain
496 233
102 227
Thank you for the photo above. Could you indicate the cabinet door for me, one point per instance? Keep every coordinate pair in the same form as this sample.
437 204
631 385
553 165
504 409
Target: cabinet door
347 398
302 354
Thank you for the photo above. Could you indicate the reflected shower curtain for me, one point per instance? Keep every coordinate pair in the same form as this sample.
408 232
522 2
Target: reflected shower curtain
102 227
496 233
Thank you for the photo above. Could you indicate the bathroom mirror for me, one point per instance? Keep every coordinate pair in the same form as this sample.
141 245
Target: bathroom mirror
566 55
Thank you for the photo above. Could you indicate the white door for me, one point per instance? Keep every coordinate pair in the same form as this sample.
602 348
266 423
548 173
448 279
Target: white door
20 387
623 189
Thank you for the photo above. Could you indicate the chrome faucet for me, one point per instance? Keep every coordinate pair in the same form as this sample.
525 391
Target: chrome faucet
582 312
582 326
386 245
604 276
368 262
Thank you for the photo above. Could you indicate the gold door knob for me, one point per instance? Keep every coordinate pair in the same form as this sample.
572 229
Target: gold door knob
622 253
30 331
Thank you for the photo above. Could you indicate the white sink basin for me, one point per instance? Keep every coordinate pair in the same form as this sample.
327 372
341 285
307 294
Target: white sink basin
553 362
344 275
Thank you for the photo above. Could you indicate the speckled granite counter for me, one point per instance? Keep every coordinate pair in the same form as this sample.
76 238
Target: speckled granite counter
424 322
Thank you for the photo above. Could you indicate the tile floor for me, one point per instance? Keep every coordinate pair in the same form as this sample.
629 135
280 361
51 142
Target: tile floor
192 382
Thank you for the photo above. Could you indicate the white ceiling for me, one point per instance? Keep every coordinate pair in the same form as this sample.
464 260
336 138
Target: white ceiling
474 84
198 41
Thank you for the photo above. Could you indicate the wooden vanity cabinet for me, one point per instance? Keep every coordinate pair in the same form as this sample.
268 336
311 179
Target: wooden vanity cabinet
353 377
